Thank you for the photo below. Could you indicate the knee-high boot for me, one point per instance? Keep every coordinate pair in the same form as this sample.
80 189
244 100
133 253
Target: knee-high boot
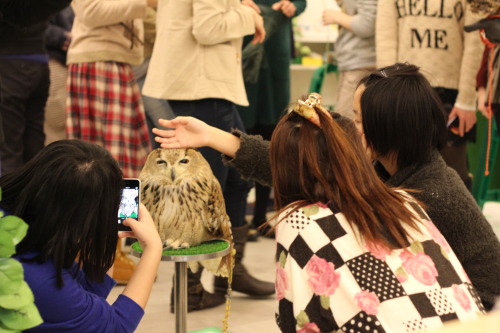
198 297
242 280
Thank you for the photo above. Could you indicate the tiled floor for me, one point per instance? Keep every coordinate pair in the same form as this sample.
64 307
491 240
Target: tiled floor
247 315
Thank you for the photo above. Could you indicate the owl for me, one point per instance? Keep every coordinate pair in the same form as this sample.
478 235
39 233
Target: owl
186 203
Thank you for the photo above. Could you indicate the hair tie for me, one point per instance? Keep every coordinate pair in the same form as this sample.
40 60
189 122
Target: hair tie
307 109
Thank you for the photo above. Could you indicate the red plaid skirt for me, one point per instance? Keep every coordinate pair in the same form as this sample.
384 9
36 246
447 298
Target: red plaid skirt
104 106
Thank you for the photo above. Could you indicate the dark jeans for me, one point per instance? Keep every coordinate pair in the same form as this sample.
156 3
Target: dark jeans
24 91
223 115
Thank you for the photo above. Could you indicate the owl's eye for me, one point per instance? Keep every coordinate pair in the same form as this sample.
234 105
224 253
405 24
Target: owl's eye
161 162
184 161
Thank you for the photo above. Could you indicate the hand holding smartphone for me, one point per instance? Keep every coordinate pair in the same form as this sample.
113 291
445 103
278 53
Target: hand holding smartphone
129 204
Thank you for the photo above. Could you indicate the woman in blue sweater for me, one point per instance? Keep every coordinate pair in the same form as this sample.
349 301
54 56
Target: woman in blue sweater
69 196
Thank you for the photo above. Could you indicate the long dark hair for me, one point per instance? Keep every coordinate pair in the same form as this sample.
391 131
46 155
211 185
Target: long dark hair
402 115
69 195
311 164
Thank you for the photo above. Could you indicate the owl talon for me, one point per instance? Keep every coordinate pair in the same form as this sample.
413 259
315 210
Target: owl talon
178 244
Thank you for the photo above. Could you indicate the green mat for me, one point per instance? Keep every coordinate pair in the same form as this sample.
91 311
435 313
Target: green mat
203 248
207 330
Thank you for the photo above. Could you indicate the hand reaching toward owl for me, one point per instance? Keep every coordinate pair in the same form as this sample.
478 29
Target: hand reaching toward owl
189 132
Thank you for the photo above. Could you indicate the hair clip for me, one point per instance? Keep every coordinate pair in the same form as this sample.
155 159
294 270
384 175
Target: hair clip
383 73
307 109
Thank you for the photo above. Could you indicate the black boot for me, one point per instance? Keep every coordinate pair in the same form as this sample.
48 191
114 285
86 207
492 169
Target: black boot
198 297
242 280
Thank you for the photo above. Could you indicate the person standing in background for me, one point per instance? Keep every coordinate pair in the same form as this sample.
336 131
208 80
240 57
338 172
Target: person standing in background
16 17
430 35
196 66
24 75
269 95
155 108
57 40
104 104
354 47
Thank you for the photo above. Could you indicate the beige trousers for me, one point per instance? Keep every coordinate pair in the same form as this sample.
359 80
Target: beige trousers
55 108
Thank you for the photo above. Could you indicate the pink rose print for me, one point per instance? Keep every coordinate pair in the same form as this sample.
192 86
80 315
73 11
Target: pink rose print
281 282
405 255
322 276
422 268
368 302
401 277
378 250
309 328
461 297
437 236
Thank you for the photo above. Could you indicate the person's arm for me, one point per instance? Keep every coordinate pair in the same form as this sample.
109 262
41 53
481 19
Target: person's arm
300 6
387 34
249 154
465 105
481 82
362 23
214 24
56 36
141 282
189 132
97 13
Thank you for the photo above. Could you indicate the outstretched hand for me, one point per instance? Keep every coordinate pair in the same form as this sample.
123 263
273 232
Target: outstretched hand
189 132
467 119
144 230
185 132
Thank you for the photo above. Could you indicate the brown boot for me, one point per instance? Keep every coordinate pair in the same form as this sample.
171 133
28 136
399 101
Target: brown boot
123 266
198 297
242 280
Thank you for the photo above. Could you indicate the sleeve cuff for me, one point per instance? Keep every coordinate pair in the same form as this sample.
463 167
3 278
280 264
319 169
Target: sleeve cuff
129 311
466 107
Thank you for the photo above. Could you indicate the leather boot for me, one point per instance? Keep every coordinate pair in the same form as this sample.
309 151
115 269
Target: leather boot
198 297
123 266
242 280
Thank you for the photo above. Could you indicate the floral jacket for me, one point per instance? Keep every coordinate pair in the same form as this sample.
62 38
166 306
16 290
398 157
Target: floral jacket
328 279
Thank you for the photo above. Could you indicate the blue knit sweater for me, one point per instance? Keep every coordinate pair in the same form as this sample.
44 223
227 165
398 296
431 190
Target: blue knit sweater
80 305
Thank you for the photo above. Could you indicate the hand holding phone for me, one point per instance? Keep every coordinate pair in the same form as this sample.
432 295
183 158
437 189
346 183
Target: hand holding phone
129 204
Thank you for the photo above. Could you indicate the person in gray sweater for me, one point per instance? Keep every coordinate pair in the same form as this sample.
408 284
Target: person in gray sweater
405 154
354 47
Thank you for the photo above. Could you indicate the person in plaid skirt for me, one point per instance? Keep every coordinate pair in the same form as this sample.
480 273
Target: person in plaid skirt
104 103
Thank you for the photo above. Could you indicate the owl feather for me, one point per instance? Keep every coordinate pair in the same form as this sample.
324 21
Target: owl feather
186 203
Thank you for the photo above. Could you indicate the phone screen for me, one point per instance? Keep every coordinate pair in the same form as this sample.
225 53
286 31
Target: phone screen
129 204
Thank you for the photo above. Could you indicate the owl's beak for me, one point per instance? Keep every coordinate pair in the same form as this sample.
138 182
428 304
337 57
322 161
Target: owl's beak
172 174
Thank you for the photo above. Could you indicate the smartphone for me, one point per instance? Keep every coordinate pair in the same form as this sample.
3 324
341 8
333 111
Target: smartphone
453 124
129 204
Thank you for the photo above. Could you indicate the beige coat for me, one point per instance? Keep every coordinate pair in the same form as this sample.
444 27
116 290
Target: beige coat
102 31
430 35
197 52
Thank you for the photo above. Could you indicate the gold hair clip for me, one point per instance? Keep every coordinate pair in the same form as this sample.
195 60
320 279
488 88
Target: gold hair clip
307 108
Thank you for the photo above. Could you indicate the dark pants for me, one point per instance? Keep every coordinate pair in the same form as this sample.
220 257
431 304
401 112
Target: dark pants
223 115
24 92
455 152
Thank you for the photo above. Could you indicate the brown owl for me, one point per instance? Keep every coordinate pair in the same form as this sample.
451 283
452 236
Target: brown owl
185 200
